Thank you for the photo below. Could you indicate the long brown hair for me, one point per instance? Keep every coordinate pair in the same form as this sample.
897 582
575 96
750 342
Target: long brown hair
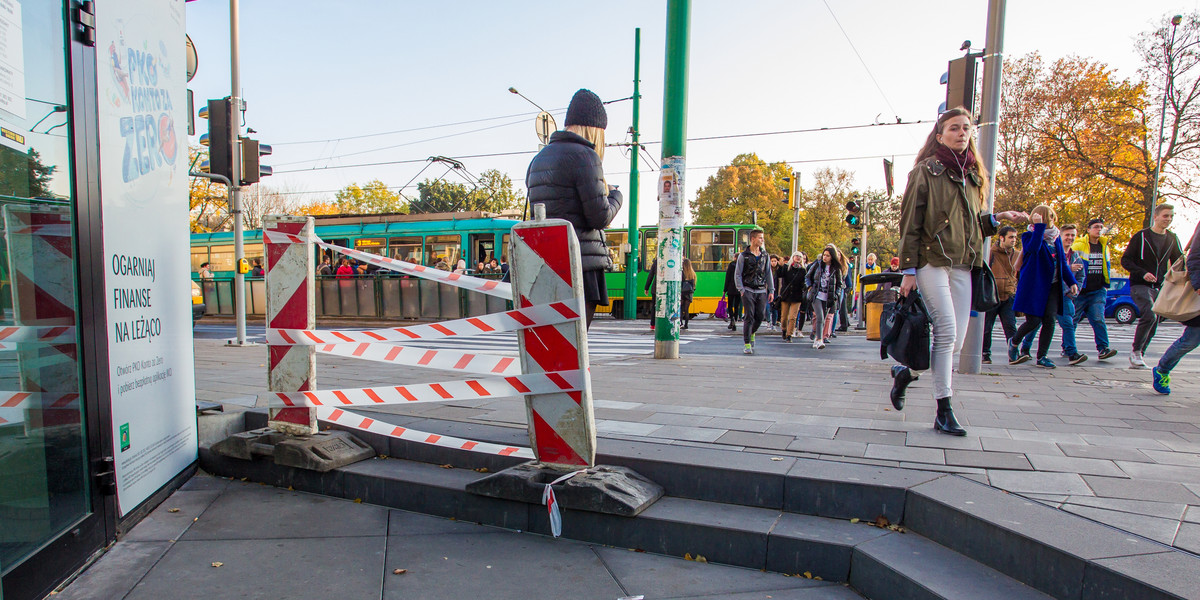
689 274
931 144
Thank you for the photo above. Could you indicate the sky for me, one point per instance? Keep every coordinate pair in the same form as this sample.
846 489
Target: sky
356 90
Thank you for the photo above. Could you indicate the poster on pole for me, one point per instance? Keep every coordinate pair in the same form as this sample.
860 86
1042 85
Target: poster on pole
141 74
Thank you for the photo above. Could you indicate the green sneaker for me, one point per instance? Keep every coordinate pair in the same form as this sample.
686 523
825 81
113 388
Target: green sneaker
749 350
1162 381
752 338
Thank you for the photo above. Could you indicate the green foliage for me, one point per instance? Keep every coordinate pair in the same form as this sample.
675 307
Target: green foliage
24 175
372 198
748 185
493 193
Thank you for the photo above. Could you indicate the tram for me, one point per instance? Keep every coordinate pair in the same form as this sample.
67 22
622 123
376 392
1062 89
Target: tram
429 239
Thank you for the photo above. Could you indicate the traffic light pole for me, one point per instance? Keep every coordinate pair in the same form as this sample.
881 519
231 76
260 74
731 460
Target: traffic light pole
235 188
671 202
795 192
862 264
971 357
631 263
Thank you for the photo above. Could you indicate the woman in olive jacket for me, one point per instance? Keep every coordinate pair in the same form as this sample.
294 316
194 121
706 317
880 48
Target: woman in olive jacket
567 176
942 231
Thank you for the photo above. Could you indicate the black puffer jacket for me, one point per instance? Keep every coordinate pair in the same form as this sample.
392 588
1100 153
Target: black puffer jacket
568 178
793 287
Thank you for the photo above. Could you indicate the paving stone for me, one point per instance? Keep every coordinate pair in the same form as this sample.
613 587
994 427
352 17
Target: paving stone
1160 472
626 427
1159 530
248 511
1141 489
1192 514
739 424
186 570
987 460
403 522
1123 442
664 418
656 576
844 491
1083 466
816 545
204 482
1047 436
905 453
1188 537
1165 510
1104 452
1020 446
162 524
1186 459
833 447
804 430
927 437
870 436
756 440
1145 577
1039 483
115 574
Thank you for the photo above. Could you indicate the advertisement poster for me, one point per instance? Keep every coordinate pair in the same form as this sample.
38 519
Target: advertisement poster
141 75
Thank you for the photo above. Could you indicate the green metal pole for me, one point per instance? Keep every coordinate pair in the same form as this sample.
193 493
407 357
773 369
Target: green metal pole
631 266
672 206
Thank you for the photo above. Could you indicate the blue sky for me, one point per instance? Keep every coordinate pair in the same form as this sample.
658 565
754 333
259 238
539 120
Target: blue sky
322 72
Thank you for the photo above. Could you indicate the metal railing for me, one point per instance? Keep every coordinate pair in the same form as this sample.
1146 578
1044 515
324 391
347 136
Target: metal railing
374 297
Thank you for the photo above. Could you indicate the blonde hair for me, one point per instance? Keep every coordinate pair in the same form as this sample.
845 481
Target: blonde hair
594 135
688 273
1049 217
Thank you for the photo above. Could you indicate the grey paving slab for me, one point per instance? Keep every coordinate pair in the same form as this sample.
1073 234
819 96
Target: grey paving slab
1020 446
1160 472
870 436
255 512
691 434
803 430
1192 514
300 569
740 424
1155 528
1164 510
818 546
622 427
483 566
655 576
1082 466
1140 489
987 460
173 517
203 481
402 522
1103 452
116 572
1188 537
906 453
1187 459
756 440
927 437
1036 482
834 447
1161 576
664 418
831 591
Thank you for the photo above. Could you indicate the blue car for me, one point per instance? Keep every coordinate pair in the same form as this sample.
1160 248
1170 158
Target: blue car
1119 305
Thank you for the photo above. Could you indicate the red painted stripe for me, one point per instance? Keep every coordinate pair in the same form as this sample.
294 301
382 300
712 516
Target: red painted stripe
360 349
65 400
393 353
469 445
15 400
552 351
441 391
295 416
374 335
551 447
284 398
283 334
341 396
432 439
507 451
407 394
373 396
408 333
479 389
313 398
427 357
53 333
564 310
443 329
310 335
7 331
502 365
453 276
336 414
345 338
489 285
464 361
294 312
521 318
559 381
399 431
328 347
480 324
550 244
365 423
517 385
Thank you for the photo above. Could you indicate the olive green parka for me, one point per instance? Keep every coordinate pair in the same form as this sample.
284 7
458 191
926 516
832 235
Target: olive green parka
940 222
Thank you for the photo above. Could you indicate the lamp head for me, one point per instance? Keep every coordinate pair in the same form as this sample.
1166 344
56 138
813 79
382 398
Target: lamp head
513 90
966 46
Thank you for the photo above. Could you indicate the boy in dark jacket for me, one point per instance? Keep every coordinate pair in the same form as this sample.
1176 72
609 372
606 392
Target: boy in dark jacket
1147 257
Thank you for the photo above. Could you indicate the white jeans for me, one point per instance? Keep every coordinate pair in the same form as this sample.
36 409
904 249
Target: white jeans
947 295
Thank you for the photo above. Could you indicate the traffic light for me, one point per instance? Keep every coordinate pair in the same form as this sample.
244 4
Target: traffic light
855 246
252 167
787 191
960 84
217 139
854 215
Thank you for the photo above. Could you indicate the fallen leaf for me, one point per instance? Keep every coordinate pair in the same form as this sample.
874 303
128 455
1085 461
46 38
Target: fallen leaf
358 500
482 470
882 521
808 575
383 456
687 556
399 571
701 559
854 520
447 466
291 489
776 458
817 577
218 565
245 478
172 510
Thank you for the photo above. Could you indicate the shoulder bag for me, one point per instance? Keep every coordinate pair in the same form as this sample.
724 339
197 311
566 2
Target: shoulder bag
721 312
984 297
1177 300
904 332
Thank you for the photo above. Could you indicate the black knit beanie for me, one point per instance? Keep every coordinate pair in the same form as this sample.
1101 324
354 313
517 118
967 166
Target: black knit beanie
586 109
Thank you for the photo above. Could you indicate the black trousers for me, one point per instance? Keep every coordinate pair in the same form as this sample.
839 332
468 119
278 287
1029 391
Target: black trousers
1046 321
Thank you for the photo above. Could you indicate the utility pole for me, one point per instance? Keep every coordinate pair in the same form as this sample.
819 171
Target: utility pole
631 262
235 186
972 351
672 205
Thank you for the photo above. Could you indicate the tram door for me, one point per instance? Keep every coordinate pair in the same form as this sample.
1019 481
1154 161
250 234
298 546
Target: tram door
482 249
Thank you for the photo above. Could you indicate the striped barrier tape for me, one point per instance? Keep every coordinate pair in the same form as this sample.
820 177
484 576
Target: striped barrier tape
470 389
551 502
353 420
53 230
513 320
36 400
32 333
491 287
448 360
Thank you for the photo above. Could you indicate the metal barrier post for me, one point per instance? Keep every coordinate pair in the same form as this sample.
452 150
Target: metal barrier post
290 305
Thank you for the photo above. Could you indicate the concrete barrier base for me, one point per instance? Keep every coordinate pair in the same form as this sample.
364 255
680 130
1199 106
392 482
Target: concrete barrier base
602 489
321 452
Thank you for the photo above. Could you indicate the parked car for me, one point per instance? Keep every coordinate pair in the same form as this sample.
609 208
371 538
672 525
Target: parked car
1119 305
197 303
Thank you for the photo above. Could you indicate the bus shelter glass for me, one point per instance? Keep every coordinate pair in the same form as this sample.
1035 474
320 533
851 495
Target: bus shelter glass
43 458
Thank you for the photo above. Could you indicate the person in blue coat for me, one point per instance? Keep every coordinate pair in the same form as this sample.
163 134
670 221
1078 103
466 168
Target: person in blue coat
1045 278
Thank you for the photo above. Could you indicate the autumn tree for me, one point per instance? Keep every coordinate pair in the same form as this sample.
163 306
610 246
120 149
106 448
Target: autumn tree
259 201
823 210
374 197
318 207
492 191
208 201
748 186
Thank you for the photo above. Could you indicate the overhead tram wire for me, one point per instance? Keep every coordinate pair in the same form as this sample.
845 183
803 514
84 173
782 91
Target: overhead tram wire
423 128
860 59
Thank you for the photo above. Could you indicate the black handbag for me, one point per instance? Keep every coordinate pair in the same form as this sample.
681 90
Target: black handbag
983 289
904 332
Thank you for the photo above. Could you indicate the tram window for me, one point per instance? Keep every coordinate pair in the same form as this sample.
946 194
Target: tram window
744 236
649 248
199 257
439 248
407 249
254 252
221 258
504 248
371 245
482 249
615 240
711 249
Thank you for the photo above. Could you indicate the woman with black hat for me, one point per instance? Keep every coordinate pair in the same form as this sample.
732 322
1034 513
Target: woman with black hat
567 176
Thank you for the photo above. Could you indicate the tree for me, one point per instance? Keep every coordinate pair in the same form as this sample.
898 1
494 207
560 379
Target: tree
440 196
371 198
823 210
259 201
208 201
24 175
318 207
492 192
748 185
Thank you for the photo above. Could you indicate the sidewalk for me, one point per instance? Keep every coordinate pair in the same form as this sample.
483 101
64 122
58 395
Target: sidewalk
217 538
1094 440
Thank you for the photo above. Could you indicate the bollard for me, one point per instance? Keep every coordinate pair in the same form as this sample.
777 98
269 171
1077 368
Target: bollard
291 305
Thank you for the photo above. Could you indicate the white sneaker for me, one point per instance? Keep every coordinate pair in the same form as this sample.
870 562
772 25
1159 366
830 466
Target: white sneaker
1135 360
816 344
821 345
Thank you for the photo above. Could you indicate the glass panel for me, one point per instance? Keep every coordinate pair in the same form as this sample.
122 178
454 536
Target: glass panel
504 249
482 246
711 249
43 461
221 258
254 254
442 251
615 240
371 245
649 248
199 257
407 249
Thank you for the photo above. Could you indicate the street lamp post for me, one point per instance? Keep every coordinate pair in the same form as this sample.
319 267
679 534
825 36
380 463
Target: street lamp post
1162 123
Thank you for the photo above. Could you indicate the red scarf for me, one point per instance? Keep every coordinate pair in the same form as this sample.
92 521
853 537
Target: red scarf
955 162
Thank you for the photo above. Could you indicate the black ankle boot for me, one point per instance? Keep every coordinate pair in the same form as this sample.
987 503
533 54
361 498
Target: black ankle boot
945 421
901 377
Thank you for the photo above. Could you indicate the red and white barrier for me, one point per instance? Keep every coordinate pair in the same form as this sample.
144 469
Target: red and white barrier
290 305
545 268
470 389
352 420
447 360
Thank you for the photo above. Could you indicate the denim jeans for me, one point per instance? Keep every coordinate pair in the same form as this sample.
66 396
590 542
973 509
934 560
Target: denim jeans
1008 322
1091 305
1186 343
1066 321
